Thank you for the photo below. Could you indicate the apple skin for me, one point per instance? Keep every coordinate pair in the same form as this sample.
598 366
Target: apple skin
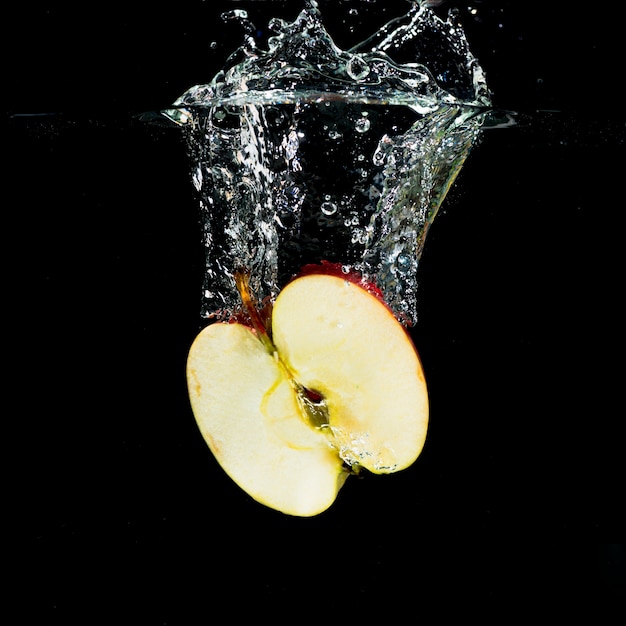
338 386
338 270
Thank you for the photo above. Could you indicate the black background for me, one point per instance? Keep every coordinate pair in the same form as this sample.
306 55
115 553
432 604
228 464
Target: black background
121 511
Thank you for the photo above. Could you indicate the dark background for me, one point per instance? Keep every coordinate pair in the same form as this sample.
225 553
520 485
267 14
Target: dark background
121 511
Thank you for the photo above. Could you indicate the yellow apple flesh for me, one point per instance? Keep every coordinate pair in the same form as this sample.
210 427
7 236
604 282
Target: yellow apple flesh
339 386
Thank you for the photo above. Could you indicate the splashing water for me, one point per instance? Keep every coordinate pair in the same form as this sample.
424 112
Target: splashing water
306 152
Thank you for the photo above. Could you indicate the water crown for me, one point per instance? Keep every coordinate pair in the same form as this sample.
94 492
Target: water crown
304 152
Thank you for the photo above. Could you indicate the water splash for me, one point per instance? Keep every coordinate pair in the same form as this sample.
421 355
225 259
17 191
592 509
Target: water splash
306 152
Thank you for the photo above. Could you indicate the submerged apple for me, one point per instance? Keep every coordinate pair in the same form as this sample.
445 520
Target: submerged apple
334 386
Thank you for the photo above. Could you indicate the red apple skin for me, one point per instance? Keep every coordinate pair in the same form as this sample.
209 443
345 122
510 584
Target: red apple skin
264 312
337 269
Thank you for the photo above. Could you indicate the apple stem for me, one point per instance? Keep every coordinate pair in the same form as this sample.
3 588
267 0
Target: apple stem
242 280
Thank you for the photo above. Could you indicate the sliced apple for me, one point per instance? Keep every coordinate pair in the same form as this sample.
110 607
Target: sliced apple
337 386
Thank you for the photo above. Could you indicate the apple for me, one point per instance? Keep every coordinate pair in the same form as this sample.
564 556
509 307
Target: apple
295 400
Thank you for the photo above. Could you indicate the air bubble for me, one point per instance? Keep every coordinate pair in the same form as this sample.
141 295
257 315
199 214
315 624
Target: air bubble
275 117
385 146
328 208
357 68
291 145
403 263
277 25
379 157
359 237
362 125
196 178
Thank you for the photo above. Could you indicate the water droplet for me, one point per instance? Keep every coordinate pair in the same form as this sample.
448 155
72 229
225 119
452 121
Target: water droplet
328 208
334 134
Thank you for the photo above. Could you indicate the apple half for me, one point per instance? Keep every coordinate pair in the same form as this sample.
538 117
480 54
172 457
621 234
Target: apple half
291 406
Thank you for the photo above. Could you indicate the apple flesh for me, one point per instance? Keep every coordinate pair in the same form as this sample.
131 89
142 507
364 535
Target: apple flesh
335 386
